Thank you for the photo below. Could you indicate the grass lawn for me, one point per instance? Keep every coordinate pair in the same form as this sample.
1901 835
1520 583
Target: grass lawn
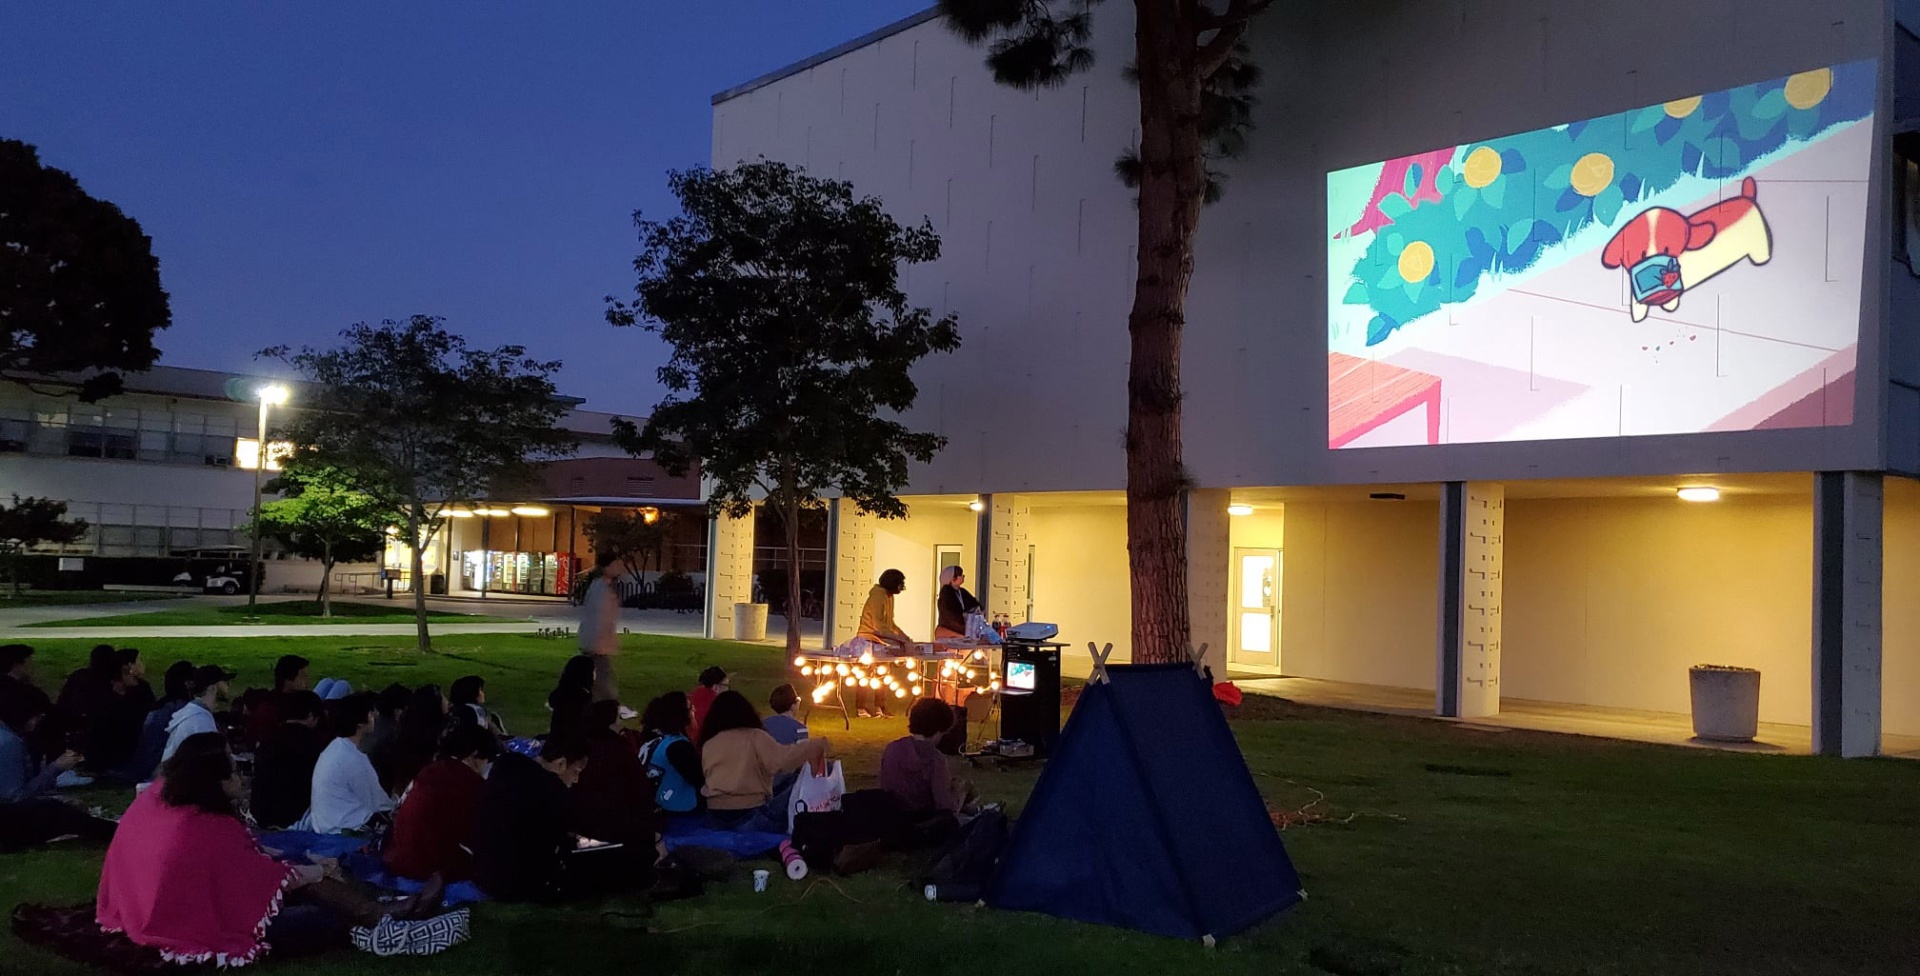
75 598
278 612
1467 852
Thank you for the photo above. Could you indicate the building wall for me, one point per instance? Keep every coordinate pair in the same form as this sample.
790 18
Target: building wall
1900 608
1359 594
1038 238
1610 601
908 546
1080 578
614 477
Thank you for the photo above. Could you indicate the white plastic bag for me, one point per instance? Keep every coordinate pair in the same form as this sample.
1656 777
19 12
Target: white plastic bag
816 792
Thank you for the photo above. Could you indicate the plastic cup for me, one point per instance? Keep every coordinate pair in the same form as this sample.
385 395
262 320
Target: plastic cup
760 879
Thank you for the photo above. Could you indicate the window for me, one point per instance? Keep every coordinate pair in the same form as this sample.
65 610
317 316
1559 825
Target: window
639 485
576 485
13 436
1906 200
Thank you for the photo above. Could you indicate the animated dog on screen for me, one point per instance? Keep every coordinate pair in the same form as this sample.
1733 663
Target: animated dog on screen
1666 252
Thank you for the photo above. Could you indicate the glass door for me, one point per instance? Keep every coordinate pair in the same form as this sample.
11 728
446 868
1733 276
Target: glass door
1256 608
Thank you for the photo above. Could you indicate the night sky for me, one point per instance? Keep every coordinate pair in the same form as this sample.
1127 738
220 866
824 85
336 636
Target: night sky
304 167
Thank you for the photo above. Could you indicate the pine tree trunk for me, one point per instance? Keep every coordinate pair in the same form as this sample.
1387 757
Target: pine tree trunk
1172 190
417 517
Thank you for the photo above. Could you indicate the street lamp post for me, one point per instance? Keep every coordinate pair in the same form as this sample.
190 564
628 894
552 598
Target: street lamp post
270 395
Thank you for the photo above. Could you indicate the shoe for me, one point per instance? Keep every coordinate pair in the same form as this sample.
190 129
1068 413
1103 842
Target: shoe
628 714
69 778
424 903
863 713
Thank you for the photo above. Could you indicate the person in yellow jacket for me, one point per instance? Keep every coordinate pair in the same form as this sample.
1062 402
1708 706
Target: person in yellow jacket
877 625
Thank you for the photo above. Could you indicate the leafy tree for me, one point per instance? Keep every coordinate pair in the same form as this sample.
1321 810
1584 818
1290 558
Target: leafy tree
79 285
792 344
635 536
1194 79
323 515
33 522
423 423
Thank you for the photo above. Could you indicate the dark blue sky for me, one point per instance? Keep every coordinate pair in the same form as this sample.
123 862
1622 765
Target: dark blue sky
303 167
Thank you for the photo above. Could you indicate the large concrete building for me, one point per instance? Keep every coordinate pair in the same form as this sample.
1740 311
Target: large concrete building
1496 280
165 469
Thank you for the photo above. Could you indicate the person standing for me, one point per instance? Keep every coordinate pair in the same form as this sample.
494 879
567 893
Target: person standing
600 628
877 625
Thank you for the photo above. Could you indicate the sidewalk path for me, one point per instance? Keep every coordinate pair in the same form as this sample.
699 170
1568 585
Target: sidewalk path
539 615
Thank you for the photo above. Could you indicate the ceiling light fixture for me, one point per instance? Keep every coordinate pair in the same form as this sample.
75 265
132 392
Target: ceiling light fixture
1699 493
1238 511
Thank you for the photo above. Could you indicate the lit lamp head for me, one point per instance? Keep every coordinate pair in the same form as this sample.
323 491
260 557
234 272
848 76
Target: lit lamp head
274 394
1699 493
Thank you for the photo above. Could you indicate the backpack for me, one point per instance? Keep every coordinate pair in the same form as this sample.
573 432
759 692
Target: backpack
670 789
960 870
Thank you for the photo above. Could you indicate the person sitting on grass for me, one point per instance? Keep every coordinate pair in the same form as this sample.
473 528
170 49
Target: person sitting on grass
713 684
416 741
176 689
784 727
571 696
16 671
470 693
672 760
116 728
433 828
914 770
389 707
740 761
208 686
283 764
262 707
184 876
614 799
522 849
30 813
347 795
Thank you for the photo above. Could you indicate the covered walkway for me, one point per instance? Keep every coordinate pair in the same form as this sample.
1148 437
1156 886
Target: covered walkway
1665 728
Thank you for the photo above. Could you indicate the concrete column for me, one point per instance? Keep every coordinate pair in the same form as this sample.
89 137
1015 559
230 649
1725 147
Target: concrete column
850 572
729 572
1472 529
1004 535
1209 568
1847 570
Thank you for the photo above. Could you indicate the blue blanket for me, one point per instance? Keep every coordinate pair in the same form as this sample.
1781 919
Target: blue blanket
294 846
699 830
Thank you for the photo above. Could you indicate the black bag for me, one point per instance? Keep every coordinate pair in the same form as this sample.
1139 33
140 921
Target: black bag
960 870
819 836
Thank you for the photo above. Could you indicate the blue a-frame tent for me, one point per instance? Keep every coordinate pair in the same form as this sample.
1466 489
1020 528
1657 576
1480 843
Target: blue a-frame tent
1147 818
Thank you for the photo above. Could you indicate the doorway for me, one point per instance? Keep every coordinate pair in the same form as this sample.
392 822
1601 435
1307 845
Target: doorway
943 556
1256 609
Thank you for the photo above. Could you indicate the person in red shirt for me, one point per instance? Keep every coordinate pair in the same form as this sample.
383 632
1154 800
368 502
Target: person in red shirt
433 829
713 683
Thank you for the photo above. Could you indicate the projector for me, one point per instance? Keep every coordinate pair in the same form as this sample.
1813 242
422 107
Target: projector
1032 631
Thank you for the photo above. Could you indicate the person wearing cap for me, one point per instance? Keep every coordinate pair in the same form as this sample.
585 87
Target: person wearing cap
208 686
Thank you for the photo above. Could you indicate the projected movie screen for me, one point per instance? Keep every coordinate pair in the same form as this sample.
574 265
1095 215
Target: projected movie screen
1681 268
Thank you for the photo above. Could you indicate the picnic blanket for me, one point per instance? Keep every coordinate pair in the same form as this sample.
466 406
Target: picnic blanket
294 846
698 830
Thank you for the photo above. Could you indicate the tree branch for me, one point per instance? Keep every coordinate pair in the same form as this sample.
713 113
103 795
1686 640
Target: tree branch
1215 52
1237 14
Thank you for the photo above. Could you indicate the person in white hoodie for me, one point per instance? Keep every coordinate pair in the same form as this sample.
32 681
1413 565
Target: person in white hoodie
347 794
206 688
